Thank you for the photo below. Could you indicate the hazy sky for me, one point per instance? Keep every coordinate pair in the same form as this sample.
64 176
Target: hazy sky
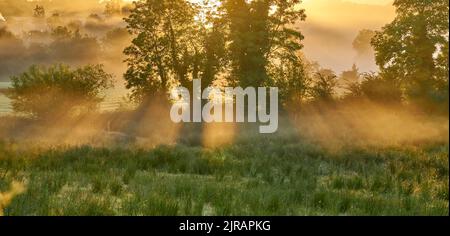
371 2
374 2
332 25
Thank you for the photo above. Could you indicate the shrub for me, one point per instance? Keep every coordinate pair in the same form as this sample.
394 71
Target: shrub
44 92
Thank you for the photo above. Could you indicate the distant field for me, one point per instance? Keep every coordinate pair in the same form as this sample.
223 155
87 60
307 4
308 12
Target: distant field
262 176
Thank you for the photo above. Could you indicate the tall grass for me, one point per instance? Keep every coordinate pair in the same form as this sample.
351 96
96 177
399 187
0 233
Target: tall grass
283 175
7 197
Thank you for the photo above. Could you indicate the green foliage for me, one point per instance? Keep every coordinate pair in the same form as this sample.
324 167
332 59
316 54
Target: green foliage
249 37
376 88
176 41
46 92
293 81
261 40
165 46
324 87
414 50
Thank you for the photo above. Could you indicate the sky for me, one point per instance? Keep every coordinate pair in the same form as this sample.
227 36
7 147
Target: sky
332 25
373 2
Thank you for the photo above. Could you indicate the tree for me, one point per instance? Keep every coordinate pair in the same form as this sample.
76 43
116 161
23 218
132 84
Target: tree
213 57
294 81
324 86
176 41
249 38
164 48
13 53
414 49
285 42
376 88
72 47
49 92
39 11
350 77
113 7
261 36
115 41
362 43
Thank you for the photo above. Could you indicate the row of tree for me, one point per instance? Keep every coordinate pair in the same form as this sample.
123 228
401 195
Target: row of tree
42 8
242 43
257 44
239 42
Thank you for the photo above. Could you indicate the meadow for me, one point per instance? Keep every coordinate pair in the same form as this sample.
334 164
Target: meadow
281 174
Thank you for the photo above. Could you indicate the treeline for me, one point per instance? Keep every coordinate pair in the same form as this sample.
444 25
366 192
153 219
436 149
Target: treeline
25 8
238 42
61 38
257 44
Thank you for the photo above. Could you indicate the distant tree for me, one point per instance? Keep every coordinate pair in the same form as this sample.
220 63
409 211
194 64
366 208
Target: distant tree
294 81
39 11
75 25
10 44
13 53
362 43
349 78
414 49
115 42
55 20
113 7
62 33
376 88
55 91
72 47
324 86
95 17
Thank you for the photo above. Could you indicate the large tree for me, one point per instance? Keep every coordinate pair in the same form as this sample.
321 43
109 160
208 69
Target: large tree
165 46
414 49
262 39
176 41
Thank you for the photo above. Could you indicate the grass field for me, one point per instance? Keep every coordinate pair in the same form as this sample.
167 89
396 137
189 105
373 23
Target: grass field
262 176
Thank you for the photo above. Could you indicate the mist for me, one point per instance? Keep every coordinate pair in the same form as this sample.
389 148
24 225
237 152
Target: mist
78 33
331 27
